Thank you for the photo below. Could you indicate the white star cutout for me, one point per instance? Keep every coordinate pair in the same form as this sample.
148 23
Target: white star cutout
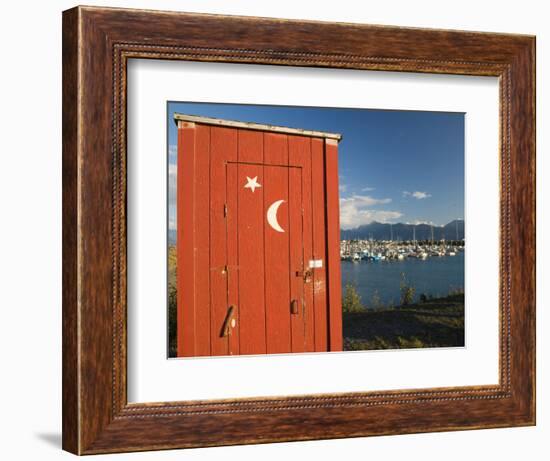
252 183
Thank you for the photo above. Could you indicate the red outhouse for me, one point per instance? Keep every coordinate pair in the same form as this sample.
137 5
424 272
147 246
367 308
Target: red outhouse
258 239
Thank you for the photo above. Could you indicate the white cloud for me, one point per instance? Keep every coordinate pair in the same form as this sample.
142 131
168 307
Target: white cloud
172 187
416 194
171 217
416 222
172 153
343 187
420 195
364 200
367 189
172 181
356 211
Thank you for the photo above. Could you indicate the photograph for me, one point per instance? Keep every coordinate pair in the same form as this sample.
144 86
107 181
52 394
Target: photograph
273 250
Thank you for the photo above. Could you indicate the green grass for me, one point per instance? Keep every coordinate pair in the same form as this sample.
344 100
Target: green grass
434 323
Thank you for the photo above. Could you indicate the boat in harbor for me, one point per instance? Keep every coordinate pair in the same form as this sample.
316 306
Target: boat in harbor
388 250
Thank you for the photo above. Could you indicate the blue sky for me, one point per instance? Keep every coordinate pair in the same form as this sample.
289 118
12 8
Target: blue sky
394 166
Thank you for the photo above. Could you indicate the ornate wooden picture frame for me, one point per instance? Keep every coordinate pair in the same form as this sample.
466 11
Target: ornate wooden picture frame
97 44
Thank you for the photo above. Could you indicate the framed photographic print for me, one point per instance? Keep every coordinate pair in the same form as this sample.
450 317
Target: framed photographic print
284 230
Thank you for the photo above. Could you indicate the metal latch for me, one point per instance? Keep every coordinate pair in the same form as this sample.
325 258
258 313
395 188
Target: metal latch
305 274
294 306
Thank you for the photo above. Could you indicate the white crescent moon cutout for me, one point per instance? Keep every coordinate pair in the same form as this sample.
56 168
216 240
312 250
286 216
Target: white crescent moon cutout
272 215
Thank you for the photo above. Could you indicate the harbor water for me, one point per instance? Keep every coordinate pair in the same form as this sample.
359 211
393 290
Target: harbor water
434 276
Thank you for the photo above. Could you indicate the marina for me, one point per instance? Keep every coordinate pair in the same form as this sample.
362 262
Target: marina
375 250
377 273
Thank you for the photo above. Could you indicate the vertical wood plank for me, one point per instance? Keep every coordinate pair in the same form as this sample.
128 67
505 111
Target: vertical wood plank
333 246
202 241
223 148
277 246
299 153
232 231
296 258
319 243
251 220
185 241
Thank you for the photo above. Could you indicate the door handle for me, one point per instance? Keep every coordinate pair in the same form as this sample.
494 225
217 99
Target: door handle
228 323
294 307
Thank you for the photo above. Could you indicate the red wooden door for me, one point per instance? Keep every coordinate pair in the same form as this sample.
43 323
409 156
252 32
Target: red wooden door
266 270
252 243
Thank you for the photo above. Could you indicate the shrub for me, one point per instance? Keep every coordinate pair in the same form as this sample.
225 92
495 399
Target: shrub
407 291
376 302
172 320
455 291
352 300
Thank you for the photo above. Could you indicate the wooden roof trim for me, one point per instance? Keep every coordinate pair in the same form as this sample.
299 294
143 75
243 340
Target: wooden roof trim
254 126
